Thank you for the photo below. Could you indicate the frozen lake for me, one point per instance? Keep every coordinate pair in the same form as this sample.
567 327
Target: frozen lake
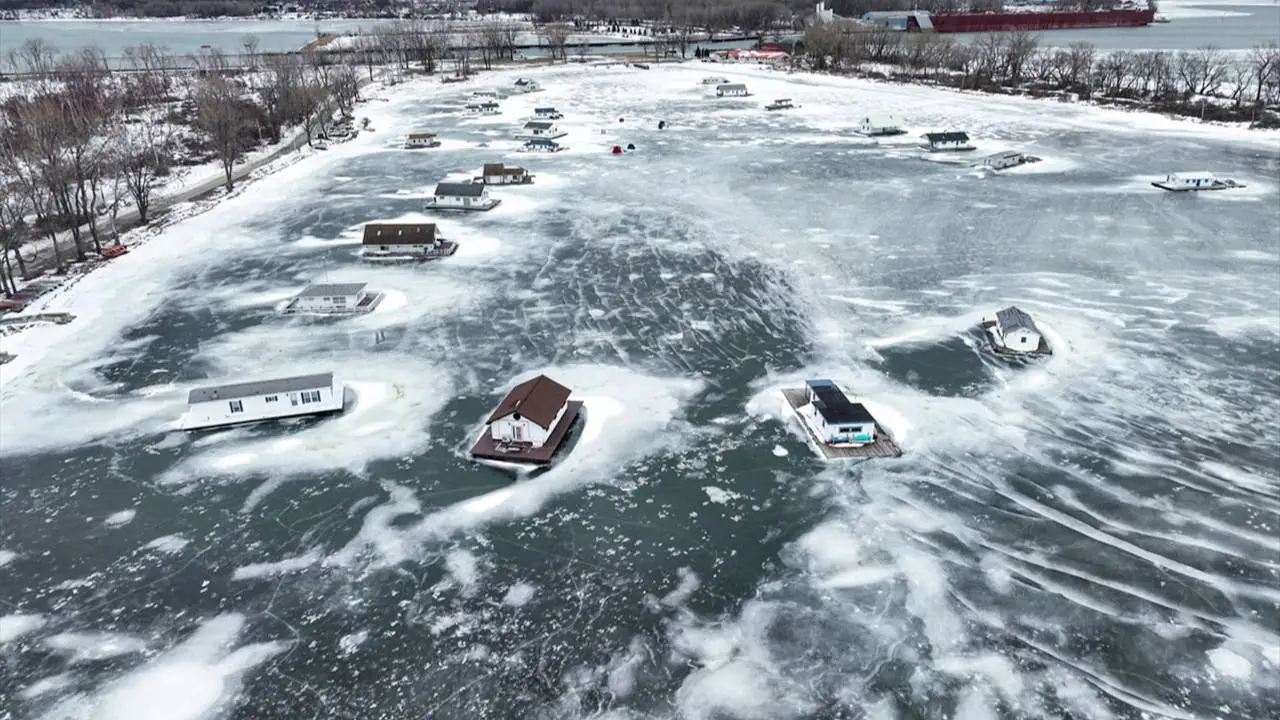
1093 536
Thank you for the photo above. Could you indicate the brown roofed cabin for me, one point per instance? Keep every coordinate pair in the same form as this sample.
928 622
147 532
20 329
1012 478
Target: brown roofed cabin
499 174
530 424
421 140
405 241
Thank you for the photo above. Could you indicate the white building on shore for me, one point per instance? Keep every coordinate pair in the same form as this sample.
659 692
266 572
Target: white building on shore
262 400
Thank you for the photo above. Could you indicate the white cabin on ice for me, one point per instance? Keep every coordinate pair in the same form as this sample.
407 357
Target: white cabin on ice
421 140
1188 181
461 196
333 299
833 418
530 412
224 405
732 90
1016 331
547 113
540 129
947 141
876 125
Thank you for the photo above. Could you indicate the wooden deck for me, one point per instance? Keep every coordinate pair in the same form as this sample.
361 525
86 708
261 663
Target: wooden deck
486 448
1042 350
884 446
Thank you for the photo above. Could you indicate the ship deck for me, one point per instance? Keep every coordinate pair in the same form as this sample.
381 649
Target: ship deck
884 446
1042 350
487 448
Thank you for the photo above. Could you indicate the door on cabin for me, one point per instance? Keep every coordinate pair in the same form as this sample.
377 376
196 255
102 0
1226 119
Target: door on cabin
517 432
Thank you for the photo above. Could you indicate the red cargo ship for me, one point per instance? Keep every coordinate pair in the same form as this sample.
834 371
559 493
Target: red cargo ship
1029 21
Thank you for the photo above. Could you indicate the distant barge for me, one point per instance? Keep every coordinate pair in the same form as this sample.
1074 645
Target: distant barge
1030 20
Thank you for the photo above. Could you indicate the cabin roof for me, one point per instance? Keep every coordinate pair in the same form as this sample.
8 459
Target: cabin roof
1014 317
1006 154
501 169
538 400
421 136
538 125
731 86
331 289
399 233
1182 174
544 109
541 141
459 189
937 137
834 407
260 387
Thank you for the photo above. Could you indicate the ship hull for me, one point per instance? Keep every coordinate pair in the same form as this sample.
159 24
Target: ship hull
1036 21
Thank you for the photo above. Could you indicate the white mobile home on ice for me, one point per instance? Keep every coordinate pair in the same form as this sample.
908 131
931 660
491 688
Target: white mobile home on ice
263 400
880 126
461 196
333 299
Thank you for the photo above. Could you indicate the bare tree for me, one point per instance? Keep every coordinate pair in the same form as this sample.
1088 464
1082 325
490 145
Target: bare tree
143 152
221 116
249 43
1265 62
1018 49
557 36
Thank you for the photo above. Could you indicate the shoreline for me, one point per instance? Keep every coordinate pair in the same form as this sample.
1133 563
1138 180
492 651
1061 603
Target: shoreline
175 212
1108 119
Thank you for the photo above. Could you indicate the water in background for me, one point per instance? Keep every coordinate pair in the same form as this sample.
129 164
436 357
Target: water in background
1228 27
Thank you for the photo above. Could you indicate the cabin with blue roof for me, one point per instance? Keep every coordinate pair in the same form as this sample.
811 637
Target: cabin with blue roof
837 420
547 113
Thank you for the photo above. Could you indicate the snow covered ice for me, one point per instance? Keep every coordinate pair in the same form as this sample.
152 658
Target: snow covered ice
1093 535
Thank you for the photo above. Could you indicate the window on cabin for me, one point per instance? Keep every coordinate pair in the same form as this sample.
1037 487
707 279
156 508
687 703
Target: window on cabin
271 398
237 406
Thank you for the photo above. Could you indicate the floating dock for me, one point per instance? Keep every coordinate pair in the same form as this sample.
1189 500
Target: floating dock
884 446
1042 350
486 448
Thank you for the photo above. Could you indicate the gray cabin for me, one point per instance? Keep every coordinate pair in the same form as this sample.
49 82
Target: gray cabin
947 141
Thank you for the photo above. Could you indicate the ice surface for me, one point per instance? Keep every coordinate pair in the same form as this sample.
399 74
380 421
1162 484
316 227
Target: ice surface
188 682
1116 496
15 626
124 517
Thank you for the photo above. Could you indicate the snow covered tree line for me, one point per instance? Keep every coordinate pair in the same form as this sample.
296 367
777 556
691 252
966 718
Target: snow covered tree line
1181 80
80 141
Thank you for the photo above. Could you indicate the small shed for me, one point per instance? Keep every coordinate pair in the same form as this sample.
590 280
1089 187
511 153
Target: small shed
500 174
879 125
732 90
422 140
839 419
529 412
1017 330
